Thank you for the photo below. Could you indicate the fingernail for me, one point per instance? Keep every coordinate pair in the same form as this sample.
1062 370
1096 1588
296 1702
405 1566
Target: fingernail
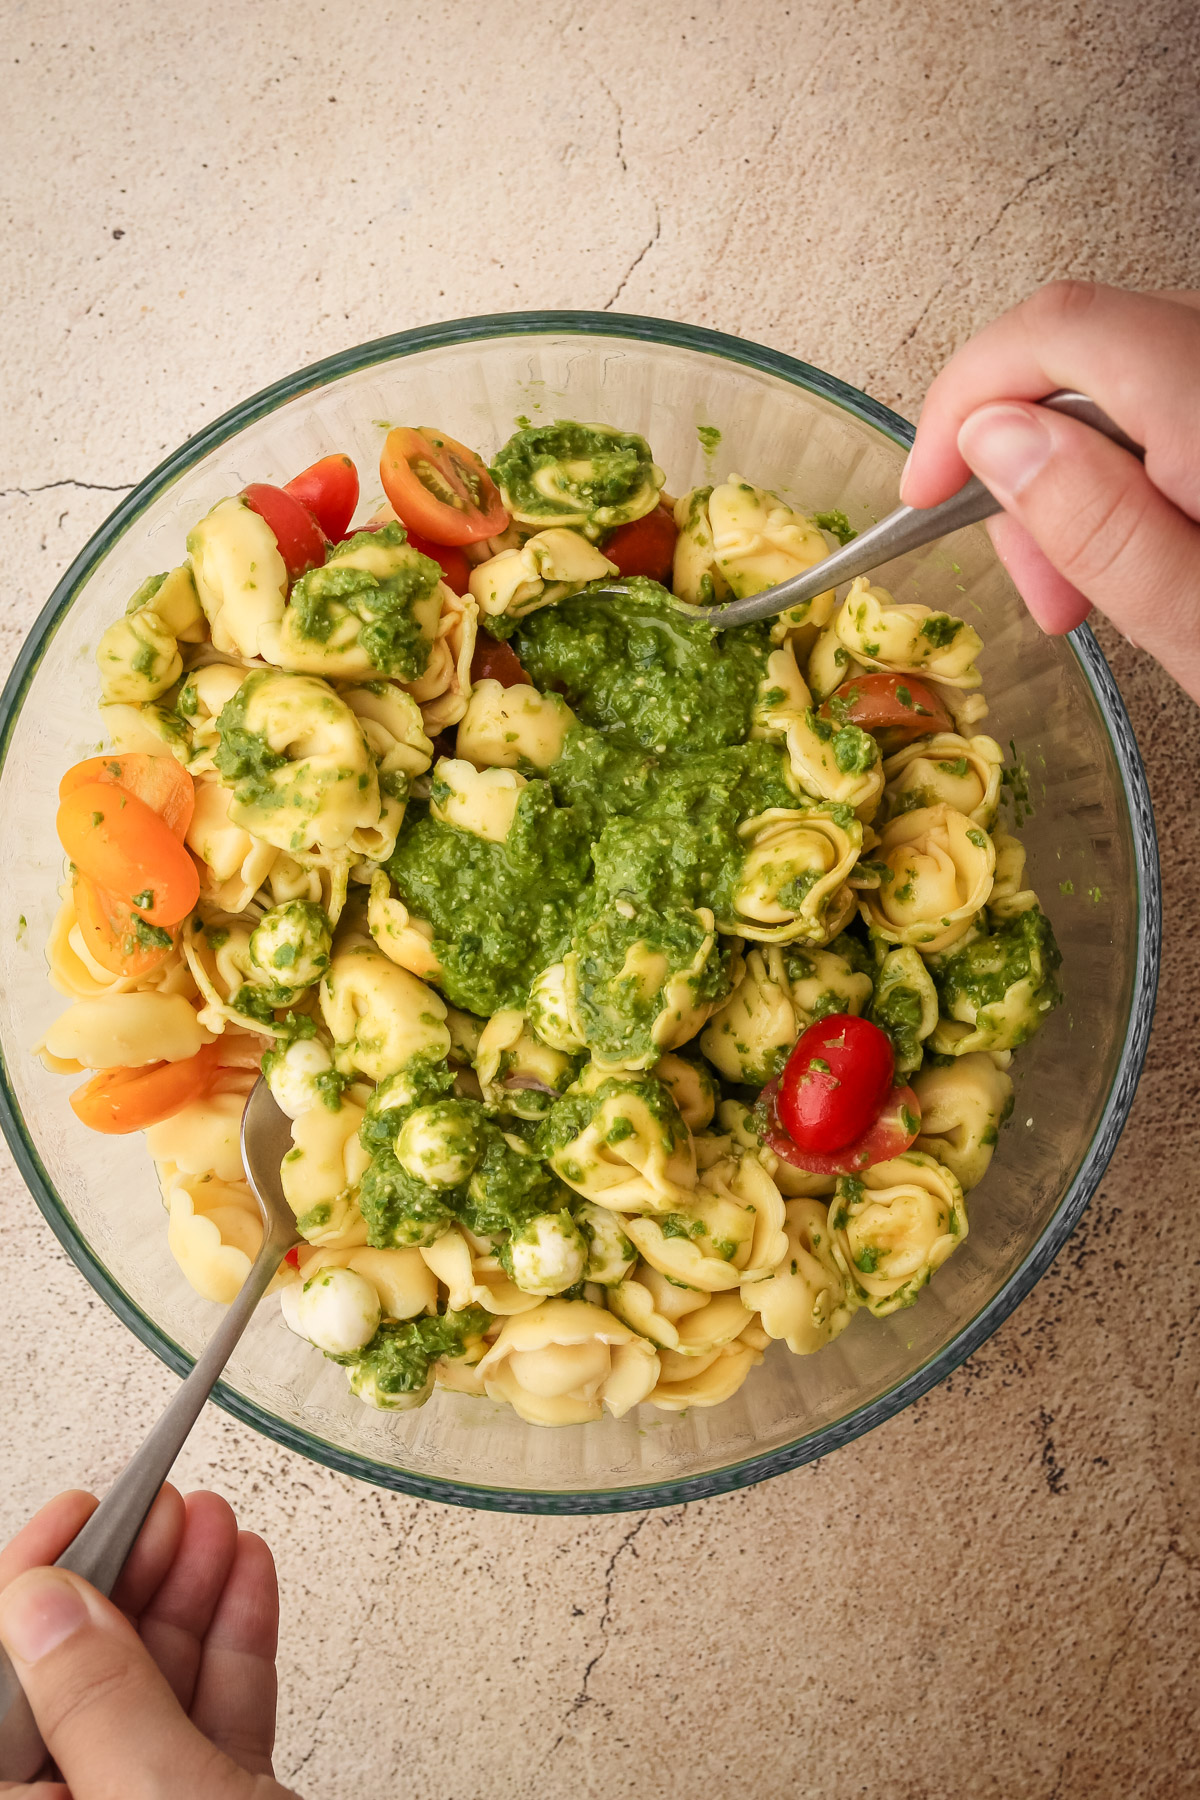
904 473
1006 446
38 1617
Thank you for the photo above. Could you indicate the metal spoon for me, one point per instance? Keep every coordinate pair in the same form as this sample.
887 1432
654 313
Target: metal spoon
100 1550
905 529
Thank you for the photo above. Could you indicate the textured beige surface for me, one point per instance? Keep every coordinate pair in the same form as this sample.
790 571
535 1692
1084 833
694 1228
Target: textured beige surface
995 1594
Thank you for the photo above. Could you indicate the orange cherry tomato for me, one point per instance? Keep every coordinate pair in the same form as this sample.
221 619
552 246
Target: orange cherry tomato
440 488
329 491
120 1100
301 541
494 661
160 782
897 705
123 846
645 546
456 570
110 932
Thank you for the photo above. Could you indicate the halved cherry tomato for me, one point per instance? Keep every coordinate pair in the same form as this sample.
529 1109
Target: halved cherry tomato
889 1135
293 1257
114 838
439 487
301 541
456 570
160 782
835 1082
110 932
645 546
494 661
121 1100
329 490
895 705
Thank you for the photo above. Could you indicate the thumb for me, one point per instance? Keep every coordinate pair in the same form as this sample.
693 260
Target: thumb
108 1717
1105 530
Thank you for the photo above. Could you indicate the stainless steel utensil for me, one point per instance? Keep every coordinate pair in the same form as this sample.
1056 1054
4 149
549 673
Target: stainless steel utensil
100 1550
905 529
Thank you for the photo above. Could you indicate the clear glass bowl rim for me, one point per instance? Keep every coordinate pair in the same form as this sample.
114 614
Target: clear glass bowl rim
1080 1190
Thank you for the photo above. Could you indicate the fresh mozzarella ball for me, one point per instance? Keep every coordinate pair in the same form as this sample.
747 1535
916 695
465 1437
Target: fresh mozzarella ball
289 947
437 1144
548 1255
610 1253
292 1076
335 1309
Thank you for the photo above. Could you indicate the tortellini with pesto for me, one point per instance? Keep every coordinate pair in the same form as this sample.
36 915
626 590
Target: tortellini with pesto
545 568
736 539
935 877
908 639
519 898
591 478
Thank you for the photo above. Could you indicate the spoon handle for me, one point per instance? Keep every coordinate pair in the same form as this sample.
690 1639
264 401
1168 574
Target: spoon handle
908 528
98 1553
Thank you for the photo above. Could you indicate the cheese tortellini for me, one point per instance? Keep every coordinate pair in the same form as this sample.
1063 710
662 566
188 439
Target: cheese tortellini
518 899
908 639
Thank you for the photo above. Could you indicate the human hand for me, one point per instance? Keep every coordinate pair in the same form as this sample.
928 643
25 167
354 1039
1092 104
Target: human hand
168 1689
1084 522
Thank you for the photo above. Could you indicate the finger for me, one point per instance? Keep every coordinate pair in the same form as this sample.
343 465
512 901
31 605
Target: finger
47 1534
107 1715
1138 355
38 1790
175 1620
236 1689
1054 603
1103 524
153 1553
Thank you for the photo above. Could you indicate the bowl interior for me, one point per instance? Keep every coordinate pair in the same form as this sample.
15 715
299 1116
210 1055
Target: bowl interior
817 444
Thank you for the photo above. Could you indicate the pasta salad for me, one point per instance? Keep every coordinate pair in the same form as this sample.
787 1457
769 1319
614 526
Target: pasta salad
639 995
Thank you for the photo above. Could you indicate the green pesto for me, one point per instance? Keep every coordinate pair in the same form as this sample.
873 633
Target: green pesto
588 475
145 594
383 606
896 1009
572 1114
150 937
244 759
400 1210
709 438
940 629
1020 949
837 524
500 912
509 1188
633 663
400 1357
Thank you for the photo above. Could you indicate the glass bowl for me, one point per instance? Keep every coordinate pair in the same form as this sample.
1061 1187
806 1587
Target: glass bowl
1092 859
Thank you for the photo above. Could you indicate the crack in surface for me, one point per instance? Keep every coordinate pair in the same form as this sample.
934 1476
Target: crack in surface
646 247
100 487
583 1697
338 1688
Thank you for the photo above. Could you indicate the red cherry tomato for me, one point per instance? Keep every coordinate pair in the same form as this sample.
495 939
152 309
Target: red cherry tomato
891 1134
896 705
329 491
456 570
645 546
439 487
301 541
835 1082
494 661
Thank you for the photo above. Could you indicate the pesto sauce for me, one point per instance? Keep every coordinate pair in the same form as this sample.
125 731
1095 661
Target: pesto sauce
637 665
1020 949
399 1357
500 912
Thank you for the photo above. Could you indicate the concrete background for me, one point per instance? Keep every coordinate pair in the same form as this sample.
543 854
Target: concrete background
996 1593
